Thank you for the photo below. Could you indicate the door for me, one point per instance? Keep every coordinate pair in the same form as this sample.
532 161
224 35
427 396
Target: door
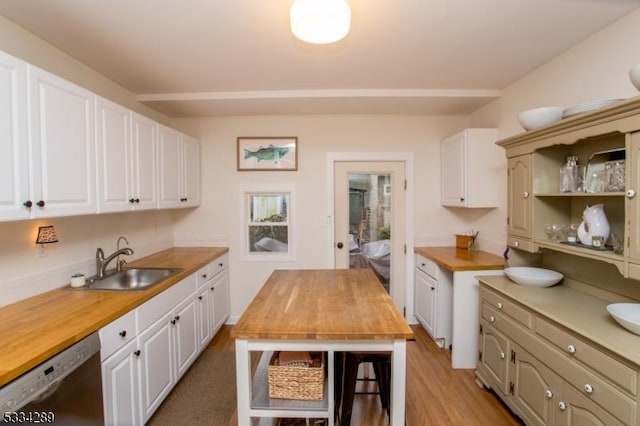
120 386
425 298
519 207
369 202
143 157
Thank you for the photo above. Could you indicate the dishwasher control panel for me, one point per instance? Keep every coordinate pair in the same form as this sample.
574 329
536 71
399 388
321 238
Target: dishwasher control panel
41 381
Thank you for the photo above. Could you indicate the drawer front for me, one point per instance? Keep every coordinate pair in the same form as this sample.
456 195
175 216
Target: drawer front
507 307
218 265
427 265
520 243
152 310
203 275
116 334
614 370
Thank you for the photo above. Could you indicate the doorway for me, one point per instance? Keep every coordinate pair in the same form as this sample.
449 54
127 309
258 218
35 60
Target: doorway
369 225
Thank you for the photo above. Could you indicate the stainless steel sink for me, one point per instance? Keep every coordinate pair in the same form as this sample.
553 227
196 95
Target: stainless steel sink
131 279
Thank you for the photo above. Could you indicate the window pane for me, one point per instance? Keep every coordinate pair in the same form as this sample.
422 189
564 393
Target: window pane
268 208
269 238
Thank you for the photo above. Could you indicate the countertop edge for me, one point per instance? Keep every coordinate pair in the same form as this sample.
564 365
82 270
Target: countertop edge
455 259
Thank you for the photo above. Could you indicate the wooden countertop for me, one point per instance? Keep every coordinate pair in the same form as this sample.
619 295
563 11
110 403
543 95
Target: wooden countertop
583 313
330 304
455 259
33 330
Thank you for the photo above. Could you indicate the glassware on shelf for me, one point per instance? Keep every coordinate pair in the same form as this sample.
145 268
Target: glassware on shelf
556 232
571 175
572 233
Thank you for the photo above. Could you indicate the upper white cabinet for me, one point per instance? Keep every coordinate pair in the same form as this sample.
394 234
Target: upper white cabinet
126 159
472 168
179 174
62 143
14 153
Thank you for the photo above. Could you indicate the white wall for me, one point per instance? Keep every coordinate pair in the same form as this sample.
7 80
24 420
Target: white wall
217 221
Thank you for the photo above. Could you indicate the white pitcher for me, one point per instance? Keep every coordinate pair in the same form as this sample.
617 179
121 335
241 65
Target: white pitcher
594 223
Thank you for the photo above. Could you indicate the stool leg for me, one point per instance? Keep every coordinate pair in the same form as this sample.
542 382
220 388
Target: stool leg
349 388
338 383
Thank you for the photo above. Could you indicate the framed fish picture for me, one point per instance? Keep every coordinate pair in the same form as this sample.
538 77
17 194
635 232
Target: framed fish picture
267 153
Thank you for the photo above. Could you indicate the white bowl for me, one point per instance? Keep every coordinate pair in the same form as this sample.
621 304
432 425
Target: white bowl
634 75
540 117
533 277
627 315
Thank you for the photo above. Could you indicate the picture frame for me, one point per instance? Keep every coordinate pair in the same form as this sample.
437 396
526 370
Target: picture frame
272 153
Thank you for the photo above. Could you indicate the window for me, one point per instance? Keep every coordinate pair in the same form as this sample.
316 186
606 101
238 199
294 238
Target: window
267 224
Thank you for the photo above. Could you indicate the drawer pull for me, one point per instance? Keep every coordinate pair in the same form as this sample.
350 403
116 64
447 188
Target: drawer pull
501 355
562 405
137 353
588 388
123 333
499 305
631 193
204 276
571 349
221 264
548 394
492 319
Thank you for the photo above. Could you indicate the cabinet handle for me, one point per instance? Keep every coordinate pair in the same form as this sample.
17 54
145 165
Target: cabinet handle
525 194
501 355
631 193
492 319
461 199
173 322
221 264
424 264
588 388
40 203
562 405
123 333
199 297
213 288
131 200
571 349
433 288
137 200
548 394
499 305
177 317
204 276
28 204
137 353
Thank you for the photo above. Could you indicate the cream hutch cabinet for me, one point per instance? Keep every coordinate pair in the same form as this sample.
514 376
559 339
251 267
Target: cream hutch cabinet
534 198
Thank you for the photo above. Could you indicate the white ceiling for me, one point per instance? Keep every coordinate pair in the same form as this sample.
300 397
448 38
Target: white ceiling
230 57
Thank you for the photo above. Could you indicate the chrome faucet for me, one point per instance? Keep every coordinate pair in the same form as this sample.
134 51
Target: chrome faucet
102 262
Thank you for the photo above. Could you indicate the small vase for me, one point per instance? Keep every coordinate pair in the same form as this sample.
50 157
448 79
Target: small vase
594 223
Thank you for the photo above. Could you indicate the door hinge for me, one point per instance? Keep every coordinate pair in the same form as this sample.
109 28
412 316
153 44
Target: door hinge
511 388
481 329
405 249
513 356
405 184
479 355
507 220
404 311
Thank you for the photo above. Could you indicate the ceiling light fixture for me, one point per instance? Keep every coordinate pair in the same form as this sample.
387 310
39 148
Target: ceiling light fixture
320 21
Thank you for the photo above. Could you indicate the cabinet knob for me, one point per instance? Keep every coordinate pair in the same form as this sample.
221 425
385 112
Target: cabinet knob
28 204
571 349
492 319
221 264
123 333
562 405
502 355
131 200
137 353
204 275
173 322
548 394
525 194
461 199
40 203
516 244
177 317
499 305
199 297
631 193
340 245
588 388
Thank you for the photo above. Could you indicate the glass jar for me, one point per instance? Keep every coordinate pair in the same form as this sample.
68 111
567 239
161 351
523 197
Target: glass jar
571 176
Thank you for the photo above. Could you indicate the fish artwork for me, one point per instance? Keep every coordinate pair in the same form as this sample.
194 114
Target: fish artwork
272 153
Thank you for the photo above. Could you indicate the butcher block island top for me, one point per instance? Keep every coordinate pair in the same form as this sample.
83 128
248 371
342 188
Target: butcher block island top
33 330
332 304
456 259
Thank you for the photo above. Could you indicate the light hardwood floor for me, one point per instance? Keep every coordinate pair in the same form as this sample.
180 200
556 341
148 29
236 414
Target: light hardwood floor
436 393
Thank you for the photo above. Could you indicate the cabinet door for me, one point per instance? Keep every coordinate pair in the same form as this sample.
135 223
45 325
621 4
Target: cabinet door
120 387
14 155
534 387
170 168
633 198
453 170
62 145
204 299
144 171
113 123
220 300
156 365
426 302
495 357
191 171
575 409
185 325
519 196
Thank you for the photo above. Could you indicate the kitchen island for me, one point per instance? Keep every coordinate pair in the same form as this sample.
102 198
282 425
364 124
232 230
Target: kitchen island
319 310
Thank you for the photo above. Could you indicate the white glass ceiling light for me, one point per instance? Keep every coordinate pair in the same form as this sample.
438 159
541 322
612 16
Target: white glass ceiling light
320 21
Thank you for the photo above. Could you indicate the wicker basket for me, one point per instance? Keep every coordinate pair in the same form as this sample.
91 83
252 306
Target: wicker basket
304 383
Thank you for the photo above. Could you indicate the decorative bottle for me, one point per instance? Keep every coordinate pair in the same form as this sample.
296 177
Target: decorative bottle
570 175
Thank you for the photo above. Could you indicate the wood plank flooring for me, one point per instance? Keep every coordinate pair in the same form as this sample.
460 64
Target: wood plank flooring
436 393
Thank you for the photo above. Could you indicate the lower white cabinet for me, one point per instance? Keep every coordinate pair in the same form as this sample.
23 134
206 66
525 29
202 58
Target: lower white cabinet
433 300
146 351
